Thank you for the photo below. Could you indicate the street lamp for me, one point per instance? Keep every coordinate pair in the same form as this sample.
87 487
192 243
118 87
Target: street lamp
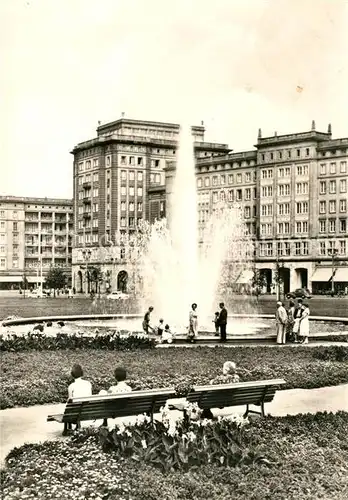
87 252
333 252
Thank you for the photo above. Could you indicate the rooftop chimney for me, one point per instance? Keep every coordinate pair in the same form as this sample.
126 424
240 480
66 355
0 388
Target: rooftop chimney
202 123
329 129
275 134
99 123
313 125
260 134
122 114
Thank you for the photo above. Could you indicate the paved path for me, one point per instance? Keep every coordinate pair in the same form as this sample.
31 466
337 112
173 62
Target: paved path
28 425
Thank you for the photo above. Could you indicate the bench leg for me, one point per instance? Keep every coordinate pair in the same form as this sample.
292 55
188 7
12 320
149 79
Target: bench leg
262 412
67 429
105 422
246 411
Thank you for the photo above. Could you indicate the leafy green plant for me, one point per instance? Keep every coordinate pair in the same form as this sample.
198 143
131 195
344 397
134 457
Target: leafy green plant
332 353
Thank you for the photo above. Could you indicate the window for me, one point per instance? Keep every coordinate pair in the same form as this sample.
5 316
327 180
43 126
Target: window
322 226
343 185
286 248
239 178
343 225
123 222
95 192
123 190
284 190
81 167
342 247
140 207
215 196
215 180
131 175
332 225
302 207
322 207
332 187
332 168
2 224
15 214
95 177
239 195
95 162
302 227
131 221
2 213
266 210
230 179
283 208
206 182
322 248
162 206
248 194
264 174
263 157
108 160
322 187
266 229
283 228
302 170
281 172
301 187
199 182
266 249
2 263
230 195
88 165
140 177
123 161
157 163
267 191
287 171
323 168
131 206
131 160
95 223
248 177
95 207
297 248
140 191
254 193
131 191
343 167
15 226
307 151
140 160
123 175
343 206
222 179
298 153
247 212
289 154
222 195
123 206
332 206
272 156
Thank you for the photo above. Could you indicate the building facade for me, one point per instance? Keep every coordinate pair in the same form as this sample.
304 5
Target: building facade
292 190
35 234
118 182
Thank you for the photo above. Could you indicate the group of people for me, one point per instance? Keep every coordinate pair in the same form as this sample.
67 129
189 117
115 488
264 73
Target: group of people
81 387
292 324
167 335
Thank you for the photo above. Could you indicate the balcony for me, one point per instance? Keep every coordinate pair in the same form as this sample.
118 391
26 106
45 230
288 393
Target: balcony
86 200
87 184
86 215
31 255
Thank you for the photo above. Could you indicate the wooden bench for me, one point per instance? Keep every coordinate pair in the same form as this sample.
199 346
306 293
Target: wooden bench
242 393
98 407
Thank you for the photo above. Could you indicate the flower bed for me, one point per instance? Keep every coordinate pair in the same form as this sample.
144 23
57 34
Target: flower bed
31 378
109 340
300 457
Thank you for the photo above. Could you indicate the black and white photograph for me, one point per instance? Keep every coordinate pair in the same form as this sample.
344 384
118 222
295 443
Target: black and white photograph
174 250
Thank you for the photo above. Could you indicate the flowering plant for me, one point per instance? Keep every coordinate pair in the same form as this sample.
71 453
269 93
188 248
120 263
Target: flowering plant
178 443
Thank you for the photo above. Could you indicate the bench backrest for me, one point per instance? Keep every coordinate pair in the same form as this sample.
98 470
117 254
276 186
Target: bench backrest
240 393
118 405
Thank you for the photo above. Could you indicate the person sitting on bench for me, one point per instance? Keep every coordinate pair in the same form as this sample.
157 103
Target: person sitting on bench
80 388
121 386
229 376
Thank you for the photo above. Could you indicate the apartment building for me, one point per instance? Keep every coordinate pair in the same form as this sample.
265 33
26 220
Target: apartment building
292 190
35 234
118 182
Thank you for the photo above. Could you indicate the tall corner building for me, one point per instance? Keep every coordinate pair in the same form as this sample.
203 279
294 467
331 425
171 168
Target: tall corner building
119 180
35 234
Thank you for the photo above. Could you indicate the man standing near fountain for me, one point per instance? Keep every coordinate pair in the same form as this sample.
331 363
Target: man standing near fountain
146 321
222 322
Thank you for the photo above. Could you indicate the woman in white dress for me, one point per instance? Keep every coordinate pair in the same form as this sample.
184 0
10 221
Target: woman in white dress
304 324
193 322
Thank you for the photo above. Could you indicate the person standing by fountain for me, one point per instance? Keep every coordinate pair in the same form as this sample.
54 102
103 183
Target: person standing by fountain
281 320
193 323
146 321
222 321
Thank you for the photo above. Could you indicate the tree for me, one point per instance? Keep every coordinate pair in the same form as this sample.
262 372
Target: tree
258 282
56 278
95 275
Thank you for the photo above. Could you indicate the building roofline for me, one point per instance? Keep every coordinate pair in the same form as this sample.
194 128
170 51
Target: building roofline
125 121
312 135
28 199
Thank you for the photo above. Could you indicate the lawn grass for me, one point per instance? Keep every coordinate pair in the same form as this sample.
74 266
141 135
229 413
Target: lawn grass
302 458
30 378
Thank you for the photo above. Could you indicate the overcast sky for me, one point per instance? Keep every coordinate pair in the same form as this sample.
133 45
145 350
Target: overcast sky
236 64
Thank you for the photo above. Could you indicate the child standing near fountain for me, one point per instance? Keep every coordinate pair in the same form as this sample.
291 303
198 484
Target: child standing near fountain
216 323
193 323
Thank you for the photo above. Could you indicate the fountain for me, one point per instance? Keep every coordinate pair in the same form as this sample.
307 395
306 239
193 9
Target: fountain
177 269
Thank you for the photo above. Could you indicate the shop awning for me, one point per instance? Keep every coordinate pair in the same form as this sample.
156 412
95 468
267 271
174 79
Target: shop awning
245 277
11 279
341 274
35 279
322 274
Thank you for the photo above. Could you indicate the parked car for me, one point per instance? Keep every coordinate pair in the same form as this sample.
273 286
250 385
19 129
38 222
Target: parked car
117 296
299 293
39 294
